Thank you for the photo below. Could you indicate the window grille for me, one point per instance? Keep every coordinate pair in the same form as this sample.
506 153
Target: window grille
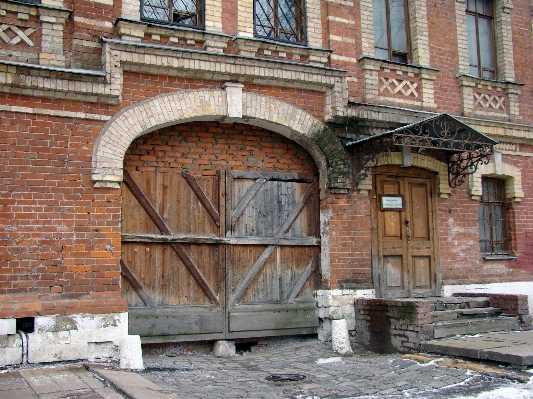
391 37
493 218
280 20
178 12
480 37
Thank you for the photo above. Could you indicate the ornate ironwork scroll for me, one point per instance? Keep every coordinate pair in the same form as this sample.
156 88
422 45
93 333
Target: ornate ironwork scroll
462 164
467 148
367 155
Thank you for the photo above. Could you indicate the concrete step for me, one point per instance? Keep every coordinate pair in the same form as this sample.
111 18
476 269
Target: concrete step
450 303
444 329
447 315
515 348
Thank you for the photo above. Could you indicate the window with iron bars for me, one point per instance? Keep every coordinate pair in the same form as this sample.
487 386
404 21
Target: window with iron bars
495 238
281 20
175 12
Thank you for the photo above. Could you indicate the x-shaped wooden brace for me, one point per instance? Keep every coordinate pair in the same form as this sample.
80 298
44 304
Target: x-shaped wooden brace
161 225
268 251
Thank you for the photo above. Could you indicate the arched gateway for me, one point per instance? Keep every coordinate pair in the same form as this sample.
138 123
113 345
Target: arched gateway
214 243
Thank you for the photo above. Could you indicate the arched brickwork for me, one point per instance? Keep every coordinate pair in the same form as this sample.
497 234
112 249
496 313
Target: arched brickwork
511 174
212 105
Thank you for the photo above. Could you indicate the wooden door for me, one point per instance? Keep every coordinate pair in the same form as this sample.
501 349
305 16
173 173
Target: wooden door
173 255
187 239
272 264
405 236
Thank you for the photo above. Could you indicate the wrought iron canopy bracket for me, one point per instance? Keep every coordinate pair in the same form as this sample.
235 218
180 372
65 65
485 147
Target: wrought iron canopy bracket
466 147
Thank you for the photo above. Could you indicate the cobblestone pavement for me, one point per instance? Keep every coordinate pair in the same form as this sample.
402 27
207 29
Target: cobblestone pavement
327 376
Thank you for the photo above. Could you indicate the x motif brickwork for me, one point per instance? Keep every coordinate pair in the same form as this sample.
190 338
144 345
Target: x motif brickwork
489 100
19 35
394 86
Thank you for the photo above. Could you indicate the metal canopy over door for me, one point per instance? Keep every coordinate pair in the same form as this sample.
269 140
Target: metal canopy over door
405 235
186 238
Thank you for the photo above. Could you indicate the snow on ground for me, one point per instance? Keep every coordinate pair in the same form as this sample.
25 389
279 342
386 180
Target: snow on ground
518 391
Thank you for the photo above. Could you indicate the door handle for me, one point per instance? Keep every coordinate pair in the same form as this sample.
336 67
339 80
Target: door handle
408 232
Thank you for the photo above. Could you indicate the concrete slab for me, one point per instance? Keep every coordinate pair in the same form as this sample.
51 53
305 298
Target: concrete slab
515 348
132 385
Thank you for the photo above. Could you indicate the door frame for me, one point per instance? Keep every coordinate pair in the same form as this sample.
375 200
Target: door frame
398 171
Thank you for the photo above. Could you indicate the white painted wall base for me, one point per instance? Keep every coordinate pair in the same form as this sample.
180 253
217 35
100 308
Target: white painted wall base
95 338
337 305
517 288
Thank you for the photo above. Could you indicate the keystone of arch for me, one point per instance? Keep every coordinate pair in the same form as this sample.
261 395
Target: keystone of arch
218 105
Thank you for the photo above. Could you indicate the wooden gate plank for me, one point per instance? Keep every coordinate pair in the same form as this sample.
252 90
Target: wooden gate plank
252 191
136 284
195 187
161 225
300 283
243 285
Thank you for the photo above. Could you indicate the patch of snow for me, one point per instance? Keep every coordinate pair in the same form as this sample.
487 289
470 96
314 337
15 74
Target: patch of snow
329 360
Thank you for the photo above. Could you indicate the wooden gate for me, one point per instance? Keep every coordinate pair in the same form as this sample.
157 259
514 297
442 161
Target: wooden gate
405 263
225 255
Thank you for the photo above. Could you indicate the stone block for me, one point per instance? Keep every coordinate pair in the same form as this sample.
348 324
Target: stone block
224 348
340 338
102 351
8 326
324 330
344 300
54 347
10 350
131 353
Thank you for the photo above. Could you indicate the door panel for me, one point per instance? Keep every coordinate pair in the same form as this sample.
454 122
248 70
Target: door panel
270 287
405 238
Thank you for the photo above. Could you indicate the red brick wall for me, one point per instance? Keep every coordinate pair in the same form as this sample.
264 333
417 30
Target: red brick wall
211 146
60 241
460 254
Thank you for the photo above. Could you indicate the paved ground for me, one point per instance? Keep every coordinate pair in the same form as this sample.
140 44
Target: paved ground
327 375
365 375
515 348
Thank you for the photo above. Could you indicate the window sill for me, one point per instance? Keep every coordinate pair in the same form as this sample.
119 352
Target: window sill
500 257
298 52
174 35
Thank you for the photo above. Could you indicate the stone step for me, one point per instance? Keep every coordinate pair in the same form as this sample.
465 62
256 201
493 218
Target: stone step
442 304
444 329
515 348
457 314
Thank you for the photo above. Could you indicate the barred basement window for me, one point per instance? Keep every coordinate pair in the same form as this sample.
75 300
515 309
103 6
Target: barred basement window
280 20
391 38
480 34
493 218
176 12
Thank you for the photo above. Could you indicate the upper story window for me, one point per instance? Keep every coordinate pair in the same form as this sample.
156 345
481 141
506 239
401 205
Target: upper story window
391 38
179 12
280 20
480 34
493 219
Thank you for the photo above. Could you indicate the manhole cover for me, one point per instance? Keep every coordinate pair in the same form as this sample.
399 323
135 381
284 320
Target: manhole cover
285 377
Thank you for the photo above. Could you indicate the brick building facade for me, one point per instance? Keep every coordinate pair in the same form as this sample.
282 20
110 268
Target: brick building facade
247 110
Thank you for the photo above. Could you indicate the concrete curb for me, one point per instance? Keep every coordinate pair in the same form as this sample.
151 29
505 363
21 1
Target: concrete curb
131 384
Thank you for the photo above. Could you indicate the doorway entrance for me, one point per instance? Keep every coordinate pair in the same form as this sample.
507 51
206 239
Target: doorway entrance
405 239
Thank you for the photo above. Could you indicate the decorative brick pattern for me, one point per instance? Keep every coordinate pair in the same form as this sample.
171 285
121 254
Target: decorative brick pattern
386 81
490 98
19 35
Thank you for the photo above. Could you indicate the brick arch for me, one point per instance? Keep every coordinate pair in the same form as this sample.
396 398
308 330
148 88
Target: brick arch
218 105
511 174
418 161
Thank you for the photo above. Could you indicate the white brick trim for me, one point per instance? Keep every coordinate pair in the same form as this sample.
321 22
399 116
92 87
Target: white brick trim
203 105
